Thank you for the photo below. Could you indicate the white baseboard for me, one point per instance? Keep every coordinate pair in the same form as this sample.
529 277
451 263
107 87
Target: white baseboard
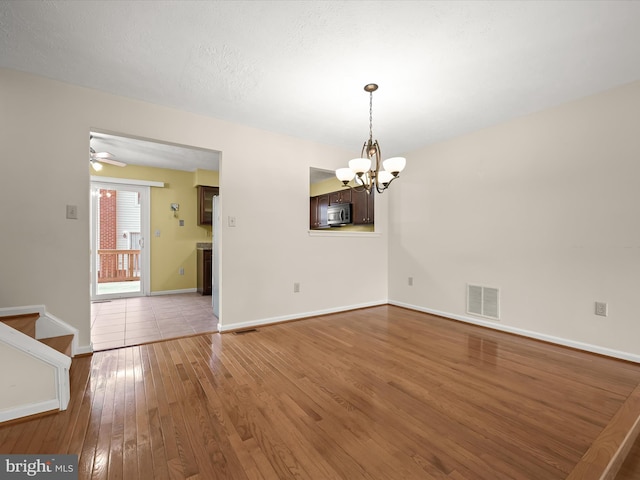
173 292
631 357
26 410
84 350
297 316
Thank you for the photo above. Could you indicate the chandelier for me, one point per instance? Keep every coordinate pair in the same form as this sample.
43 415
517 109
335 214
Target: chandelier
367 172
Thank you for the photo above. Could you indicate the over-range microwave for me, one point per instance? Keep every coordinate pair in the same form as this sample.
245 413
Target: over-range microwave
338 215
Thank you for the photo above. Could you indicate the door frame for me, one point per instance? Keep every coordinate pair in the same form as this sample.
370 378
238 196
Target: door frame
143 187
216 229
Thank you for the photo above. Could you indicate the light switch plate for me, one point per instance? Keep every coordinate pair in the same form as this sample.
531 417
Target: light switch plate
72 212
601 309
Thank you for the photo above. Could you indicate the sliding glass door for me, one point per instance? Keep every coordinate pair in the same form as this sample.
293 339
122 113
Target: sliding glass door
119 225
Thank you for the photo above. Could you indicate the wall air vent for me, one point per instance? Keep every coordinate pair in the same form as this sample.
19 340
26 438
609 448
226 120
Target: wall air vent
483 301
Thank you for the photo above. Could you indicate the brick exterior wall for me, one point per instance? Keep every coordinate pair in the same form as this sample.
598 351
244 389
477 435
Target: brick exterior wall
108 241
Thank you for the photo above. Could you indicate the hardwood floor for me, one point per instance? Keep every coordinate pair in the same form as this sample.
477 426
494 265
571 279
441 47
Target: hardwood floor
378 393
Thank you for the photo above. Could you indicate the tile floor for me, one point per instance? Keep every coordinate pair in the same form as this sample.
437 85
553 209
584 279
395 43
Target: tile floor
133 321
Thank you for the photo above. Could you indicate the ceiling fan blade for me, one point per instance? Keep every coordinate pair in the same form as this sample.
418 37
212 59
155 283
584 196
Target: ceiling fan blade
112 162
102 155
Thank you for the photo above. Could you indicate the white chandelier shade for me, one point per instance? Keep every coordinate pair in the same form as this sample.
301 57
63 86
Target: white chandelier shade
360 165
345 175
394 165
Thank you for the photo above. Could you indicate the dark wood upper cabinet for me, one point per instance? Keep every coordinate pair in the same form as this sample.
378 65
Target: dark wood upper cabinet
363 208
205 203
318 211
341 196
313 212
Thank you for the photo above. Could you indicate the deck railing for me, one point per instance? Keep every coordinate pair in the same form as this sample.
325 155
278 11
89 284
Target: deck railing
118 265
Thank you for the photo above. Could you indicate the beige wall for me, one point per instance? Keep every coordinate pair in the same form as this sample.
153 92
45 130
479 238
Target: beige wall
545 207
44 131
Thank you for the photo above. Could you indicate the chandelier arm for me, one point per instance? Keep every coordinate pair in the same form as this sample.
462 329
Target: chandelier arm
365 154
377 167
355 189
365 151
385 187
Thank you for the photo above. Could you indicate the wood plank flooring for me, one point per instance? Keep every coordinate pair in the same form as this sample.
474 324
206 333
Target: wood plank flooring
378 393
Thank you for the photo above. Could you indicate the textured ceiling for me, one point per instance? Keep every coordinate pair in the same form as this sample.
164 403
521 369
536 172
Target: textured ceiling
298 67
143 152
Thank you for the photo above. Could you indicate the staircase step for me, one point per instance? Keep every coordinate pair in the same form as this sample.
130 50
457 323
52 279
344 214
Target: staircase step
61 343
608 452
25 323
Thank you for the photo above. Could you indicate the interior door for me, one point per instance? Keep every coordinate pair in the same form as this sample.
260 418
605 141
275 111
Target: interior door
119 226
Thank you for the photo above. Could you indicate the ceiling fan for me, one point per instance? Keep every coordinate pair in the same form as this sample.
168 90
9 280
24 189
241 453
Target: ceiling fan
96 159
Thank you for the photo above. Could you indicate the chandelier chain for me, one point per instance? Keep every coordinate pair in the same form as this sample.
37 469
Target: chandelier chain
370 115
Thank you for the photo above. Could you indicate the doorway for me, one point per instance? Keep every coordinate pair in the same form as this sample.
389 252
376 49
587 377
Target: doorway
119 227
154 298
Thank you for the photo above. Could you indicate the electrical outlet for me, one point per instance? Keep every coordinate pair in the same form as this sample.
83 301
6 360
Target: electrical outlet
410 281
601 309
296 287
181 271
